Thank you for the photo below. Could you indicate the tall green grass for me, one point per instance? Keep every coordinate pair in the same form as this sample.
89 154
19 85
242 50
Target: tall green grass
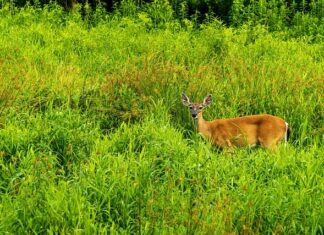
94 138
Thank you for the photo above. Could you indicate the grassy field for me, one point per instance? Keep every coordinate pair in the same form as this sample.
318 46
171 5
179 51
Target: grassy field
94 137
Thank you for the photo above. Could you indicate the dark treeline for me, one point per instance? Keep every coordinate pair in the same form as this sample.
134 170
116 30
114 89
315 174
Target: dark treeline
305 16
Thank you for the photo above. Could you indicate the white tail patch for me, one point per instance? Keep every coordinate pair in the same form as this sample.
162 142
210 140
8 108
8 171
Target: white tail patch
286 134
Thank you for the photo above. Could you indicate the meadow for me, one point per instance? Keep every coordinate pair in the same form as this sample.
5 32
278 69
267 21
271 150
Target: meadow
94 137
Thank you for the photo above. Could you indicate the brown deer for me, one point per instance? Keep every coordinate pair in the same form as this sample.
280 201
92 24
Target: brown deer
264 129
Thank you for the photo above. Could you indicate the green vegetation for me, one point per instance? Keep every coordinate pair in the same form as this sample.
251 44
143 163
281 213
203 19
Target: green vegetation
94 138
300 17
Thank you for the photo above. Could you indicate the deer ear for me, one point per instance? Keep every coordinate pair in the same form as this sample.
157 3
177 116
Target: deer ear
185 100
207 100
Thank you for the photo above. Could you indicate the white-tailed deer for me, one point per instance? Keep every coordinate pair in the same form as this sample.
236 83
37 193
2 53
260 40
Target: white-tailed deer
265 130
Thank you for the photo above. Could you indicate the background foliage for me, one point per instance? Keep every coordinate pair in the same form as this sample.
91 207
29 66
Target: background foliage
94 138
301 15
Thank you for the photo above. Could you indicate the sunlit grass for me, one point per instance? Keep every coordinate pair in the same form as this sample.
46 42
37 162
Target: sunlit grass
95 139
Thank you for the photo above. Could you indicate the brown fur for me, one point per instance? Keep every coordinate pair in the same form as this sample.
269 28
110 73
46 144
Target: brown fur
263 129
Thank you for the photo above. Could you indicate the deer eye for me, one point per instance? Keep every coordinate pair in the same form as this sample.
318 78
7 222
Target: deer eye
190 107
200 107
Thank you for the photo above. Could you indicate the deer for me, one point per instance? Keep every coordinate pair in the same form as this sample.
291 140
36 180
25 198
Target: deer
264 129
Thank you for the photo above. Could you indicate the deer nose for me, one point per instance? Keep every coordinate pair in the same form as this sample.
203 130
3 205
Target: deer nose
194 115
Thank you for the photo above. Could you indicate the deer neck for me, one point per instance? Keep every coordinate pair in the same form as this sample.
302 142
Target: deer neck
203 127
